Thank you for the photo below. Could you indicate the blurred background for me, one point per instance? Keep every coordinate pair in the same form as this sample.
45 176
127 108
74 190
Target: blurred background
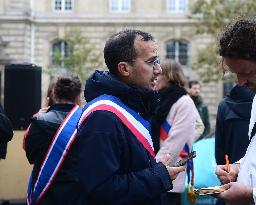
40 39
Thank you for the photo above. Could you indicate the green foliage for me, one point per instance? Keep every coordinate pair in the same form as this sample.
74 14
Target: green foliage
211 17
82 56
211 70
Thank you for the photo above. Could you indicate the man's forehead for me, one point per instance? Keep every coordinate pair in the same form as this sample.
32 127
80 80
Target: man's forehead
141 45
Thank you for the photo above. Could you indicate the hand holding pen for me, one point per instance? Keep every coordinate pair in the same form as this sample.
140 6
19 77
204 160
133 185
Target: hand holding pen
227 166
227 173
227 163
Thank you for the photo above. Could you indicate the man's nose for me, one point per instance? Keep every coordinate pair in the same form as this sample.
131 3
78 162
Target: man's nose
157 69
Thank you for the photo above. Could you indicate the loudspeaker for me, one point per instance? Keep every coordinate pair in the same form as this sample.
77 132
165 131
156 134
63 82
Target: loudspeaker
22 93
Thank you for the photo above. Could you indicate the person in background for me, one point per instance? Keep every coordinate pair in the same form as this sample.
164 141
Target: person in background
116 154
42 133
194 89
174 121
48 102
6 132
237 48
199 127
50 92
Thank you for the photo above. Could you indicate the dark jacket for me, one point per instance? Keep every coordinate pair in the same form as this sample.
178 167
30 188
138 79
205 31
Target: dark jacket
114 167
64 189
6 133
204 114
232 124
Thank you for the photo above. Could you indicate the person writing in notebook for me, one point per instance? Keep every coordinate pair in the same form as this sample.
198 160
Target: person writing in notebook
237 47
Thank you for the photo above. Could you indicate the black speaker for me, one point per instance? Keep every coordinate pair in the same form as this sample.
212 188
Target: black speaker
22 93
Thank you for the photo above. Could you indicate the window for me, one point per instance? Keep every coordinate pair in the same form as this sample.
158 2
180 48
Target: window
60 50
62 5
120 5
177 50
176 5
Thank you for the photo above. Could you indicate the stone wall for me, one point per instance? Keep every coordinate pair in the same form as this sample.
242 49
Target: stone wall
30 34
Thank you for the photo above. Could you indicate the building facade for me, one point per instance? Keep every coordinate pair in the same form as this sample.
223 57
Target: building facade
30 31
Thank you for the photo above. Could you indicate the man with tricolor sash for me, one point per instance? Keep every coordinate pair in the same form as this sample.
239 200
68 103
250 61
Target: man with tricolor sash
116 156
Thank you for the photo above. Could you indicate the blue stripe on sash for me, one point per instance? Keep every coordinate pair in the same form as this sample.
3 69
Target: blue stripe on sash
54 156
166 126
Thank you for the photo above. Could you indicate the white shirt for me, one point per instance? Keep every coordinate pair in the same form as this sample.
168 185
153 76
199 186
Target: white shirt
247 172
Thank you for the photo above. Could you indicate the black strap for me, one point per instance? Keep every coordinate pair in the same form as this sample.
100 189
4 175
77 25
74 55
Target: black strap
253 130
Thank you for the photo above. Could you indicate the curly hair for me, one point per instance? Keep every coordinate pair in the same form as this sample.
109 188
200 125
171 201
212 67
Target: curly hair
67 88
239 40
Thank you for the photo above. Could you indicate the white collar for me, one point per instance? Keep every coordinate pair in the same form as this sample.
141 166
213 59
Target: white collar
253 117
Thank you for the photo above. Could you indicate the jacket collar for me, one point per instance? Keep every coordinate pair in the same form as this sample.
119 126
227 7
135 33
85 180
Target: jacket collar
102 82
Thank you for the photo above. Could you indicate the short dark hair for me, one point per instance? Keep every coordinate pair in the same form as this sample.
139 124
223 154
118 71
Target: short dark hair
120 47
239 40
193 82
67 88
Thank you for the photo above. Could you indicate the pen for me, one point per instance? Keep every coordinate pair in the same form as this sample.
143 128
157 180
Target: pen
227 163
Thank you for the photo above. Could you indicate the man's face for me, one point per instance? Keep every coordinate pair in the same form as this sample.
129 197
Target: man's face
195 90
245 71
144 68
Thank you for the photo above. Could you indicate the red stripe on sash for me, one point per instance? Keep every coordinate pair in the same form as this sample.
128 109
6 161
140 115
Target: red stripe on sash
137 134
163 134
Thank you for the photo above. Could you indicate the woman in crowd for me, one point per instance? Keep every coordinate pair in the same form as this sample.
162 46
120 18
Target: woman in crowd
173 124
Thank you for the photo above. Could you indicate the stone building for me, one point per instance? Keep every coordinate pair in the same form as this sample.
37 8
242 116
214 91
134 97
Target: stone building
30 30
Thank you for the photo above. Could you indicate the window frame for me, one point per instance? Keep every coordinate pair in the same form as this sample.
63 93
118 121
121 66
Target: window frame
176 58
177 49
63 6
63 50
119 7
176 7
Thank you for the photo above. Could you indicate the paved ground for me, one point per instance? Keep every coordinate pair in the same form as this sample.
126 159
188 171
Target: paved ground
15 171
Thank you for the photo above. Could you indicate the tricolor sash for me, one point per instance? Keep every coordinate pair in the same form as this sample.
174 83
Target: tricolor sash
134 122
55 156
164 130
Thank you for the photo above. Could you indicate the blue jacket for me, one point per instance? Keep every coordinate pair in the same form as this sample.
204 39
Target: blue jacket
232 124
114 167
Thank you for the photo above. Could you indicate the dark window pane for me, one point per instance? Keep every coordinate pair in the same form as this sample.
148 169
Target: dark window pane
60 47
183 53
57 5
68 5
177 50
170 49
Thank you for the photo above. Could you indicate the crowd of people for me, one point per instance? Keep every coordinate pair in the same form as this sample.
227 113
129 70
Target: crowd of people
141 117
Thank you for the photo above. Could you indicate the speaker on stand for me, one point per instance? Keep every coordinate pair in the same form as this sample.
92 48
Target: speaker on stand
22 93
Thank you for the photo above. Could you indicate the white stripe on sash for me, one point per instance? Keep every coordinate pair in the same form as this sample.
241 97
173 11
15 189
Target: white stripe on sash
138 125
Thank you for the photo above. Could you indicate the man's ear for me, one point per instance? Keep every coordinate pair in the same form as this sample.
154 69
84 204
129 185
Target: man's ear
123 69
